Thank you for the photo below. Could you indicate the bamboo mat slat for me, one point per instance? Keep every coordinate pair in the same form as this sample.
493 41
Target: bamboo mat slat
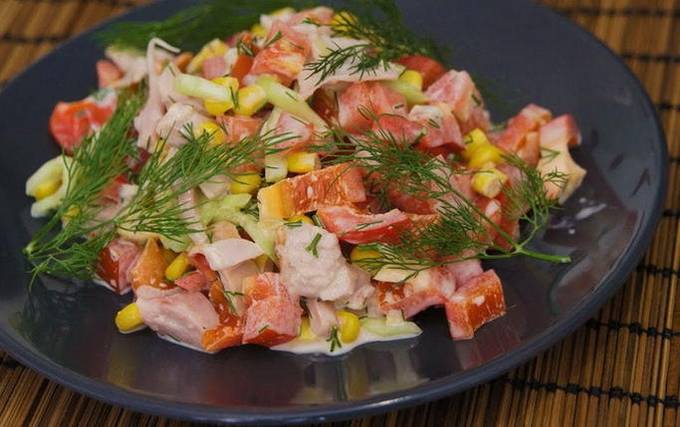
621 368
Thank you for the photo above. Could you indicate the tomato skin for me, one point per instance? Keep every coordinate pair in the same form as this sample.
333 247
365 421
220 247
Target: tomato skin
325 104
70 122
241 67
430 69
114 262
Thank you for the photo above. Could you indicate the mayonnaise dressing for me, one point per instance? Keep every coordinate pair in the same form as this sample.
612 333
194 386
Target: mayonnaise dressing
321 346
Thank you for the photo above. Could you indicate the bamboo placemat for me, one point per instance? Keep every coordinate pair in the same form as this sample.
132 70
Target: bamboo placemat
621 368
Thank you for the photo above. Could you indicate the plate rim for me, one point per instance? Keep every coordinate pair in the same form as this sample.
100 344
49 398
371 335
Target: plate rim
432 390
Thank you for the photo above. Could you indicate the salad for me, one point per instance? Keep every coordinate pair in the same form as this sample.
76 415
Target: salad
302 179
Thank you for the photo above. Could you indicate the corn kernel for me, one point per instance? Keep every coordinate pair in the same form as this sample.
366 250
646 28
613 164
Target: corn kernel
250 100
245 183
486 154
474 140
349 326
177 267
217 135
258 30
303 162
274 202
217 108
342 20
413 78
489 182
301 218
46 189
129 319
306 332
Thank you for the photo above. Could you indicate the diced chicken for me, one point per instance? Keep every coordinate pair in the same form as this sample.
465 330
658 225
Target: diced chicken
355 227
463 271
147 119
214 67
477 302
273 315
227 253
556 137
363 99
520 137
183 316
322 317
174 125
312 264
441 127
115 262
187 201
132 64
364 289
233 277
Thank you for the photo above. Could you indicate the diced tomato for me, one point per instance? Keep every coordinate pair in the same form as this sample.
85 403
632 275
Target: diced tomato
199 262
456 89
355 227
338 185
361 100
492 209
430 69
71 122
404 298
273 316
477 302
193 281
149 270
107 73
230 331
239 127
285 57
520 136
114 263
411 203
214 67
241 67
399 129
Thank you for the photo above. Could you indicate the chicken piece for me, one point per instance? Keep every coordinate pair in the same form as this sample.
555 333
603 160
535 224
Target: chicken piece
227 253
556 137
322 317
478 301
174 124
183 316
115 262
312 264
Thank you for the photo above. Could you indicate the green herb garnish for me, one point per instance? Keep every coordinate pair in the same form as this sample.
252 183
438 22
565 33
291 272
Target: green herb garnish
312 248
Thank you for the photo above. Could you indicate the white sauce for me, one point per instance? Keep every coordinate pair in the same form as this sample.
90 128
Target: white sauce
589 211
321 346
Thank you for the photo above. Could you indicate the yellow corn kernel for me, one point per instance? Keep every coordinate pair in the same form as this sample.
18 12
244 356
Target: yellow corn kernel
250 100
474 140
413 78
489 182
258 30
301 218
341 20
129 319
303 162
349 326
274 202
217 135
360 253
246 183
215 47
46 189
177 267
306 332
217 108
485 154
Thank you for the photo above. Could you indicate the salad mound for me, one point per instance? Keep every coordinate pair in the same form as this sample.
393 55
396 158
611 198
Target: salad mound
306 180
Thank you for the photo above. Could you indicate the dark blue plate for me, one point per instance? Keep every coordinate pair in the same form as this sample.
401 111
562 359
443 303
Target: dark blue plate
520 52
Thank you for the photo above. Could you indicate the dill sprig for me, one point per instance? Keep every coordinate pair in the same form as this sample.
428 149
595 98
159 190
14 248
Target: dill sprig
461 230
195 26
334 339
381 25
96 162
